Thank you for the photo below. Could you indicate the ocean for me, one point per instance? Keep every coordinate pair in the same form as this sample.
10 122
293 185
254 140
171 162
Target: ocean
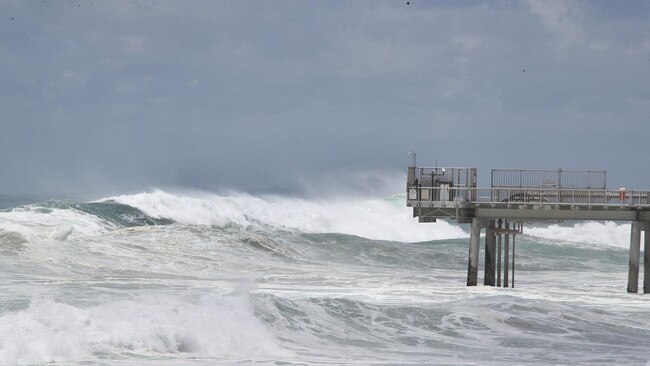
199 278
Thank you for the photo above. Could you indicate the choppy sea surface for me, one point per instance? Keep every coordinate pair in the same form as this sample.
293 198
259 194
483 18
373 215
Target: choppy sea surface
195 278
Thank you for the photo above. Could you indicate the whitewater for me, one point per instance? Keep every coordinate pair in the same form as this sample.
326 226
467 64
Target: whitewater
198 278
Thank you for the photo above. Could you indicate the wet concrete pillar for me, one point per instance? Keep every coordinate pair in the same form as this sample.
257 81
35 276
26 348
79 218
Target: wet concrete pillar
646 259
474 240
512 284
499 255
506 253
635 248
490 255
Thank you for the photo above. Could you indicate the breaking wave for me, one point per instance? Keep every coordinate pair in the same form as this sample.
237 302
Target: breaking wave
607 233
381 219
61 220
217 326
377 219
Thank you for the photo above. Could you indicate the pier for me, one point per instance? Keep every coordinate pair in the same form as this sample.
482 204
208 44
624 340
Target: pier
518 196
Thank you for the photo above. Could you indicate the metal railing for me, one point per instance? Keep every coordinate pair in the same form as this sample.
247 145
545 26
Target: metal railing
537 196
433 177
536 178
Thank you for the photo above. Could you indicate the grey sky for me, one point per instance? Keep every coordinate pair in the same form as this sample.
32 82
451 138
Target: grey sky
104 97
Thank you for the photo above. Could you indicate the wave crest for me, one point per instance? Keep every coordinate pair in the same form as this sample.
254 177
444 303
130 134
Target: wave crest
381 219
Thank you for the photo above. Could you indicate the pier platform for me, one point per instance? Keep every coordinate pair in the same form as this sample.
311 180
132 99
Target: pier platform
518 196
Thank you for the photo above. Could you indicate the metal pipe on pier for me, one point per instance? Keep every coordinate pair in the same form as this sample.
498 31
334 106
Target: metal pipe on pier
506 252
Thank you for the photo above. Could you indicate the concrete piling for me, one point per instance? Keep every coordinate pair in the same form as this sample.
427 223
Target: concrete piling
490 255
499 255
497 252
513 261
646 260
635 248
475 238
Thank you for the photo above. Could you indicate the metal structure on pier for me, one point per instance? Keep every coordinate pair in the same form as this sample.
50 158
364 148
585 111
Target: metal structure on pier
517 196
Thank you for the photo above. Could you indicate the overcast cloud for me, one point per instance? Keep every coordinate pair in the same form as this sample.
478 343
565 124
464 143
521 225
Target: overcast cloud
106 97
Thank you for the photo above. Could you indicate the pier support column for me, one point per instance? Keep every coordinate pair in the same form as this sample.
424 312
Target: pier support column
646 259
513 260
499 255
635 248
472 263
490 255
506 254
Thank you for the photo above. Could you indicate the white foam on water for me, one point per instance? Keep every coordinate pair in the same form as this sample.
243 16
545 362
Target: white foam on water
215 326
35 223
606 233
370 218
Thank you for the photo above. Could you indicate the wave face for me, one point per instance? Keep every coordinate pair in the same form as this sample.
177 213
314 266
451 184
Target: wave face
200 278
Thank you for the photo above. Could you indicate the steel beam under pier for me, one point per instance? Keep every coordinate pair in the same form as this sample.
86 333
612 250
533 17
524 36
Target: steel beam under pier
474 240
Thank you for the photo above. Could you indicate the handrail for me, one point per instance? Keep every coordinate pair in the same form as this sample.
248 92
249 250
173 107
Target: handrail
537 196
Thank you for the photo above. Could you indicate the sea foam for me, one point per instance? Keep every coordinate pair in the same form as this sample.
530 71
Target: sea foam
35 223
214 326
